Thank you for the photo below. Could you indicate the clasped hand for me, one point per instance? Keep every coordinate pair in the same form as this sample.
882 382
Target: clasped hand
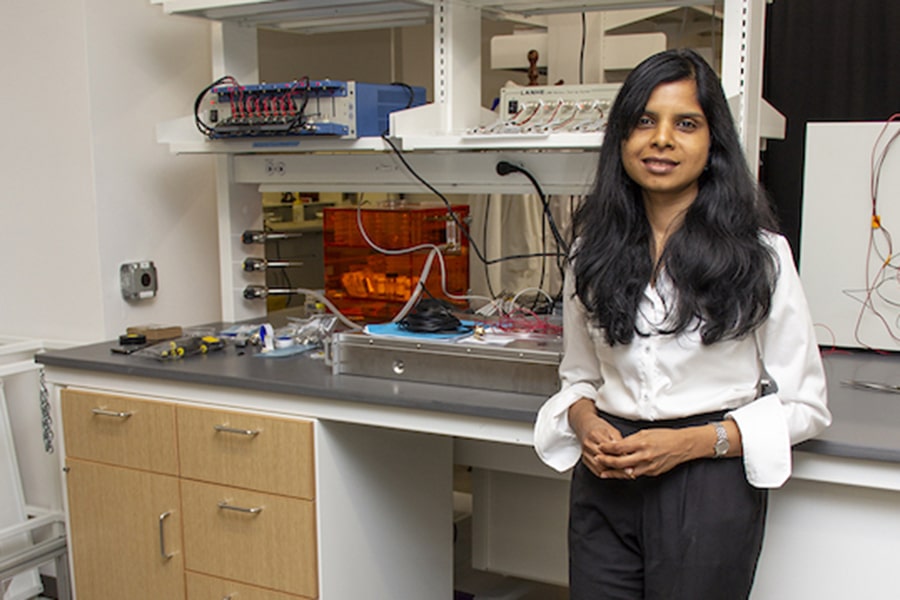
648 452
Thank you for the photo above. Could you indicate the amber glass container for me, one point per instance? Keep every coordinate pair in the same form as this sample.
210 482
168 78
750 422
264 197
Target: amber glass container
371 286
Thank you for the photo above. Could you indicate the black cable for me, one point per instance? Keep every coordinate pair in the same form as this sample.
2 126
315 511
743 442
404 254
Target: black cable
432 316
540 284
505 168
583 42
484 235
462 226
296 123
494 261
284 272
300 120
409 103
465 229
198 120
410 90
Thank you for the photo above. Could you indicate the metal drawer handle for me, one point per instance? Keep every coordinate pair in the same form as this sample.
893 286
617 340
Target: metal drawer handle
227 429
102 412
253 511
162 537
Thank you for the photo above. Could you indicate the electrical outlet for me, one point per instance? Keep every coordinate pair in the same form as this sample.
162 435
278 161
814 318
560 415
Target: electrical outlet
138 280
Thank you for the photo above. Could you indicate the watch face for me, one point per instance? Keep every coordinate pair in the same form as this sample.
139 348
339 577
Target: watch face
722 445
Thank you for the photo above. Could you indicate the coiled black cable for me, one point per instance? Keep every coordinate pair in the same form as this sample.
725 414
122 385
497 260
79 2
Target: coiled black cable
432 316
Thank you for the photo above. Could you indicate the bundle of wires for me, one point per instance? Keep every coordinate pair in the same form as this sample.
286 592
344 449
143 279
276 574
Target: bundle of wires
245 105
886 269
432 316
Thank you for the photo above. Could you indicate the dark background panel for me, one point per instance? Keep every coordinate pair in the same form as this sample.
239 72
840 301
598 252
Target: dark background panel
826 60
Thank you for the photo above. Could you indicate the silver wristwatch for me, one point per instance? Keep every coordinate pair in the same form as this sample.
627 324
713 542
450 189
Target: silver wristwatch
721 447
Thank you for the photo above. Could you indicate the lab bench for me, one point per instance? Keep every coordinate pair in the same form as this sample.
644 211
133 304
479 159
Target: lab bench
378 455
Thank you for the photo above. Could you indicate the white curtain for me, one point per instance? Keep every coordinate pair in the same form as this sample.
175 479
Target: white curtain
514 228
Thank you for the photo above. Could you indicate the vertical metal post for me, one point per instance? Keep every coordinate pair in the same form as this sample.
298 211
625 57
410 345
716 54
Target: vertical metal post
742 66
457 64
239 205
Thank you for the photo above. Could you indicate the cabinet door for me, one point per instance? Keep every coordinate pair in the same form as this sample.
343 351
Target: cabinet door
120 430
126 533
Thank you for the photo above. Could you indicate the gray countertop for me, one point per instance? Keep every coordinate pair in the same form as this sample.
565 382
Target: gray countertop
866 422
300 375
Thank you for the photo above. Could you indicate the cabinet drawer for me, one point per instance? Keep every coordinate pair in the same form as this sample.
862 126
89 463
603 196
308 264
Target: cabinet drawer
274 546
203 587
120 430
248 451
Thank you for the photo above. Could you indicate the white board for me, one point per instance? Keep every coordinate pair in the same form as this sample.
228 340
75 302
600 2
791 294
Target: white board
834 240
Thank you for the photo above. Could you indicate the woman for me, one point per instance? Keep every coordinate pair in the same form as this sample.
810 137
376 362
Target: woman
679 301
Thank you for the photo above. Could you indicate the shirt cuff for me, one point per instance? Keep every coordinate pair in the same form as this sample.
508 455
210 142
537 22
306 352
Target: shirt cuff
554 441
765 440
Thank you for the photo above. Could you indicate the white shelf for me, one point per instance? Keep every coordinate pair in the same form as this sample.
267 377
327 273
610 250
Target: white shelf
439 126
308 16
559 172
182 137
525 141
311 16
528 8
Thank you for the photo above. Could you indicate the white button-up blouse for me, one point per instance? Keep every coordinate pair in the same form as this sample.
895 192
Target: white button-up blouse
664 376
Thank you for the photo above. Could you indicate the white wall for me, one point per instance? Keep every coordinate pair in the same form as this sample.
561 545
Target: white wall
48 229
84 186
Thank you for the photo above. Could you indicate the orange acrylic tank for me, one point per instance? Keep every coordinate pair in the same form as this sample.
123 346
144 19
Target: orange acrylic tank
370 286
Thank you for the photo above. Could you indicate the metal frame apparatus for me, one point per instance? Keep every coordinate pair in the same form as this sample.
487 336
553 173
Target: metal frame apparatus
16 358
53 548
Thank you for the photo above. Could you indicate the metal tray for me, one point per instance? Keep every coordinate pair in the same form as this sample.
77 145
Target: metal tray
525 366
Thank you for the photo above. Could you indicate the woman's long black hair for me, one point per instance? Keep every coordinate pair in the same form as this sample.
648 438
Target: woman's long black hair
723 273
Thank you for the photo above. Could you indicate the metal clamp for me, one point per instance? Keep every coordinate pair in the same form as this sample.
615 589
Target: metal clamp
162 537
227 429
111 413
223 504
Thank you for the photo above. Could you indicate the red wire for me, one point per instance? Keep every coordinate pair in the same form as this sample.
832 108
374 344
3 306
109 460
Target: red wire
873 279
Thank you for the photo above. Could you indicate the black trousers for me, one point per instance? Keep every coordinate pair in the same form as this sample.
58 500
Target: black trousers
693 533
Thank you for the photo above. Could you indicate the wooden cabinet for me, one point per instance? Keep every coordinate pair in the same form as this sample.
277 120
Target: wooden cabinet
248 490
172 501
125 519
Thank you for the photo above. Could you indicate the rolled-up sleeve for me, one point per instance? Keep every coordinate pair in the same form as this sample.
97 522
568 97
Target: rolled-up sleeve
580 377
797 410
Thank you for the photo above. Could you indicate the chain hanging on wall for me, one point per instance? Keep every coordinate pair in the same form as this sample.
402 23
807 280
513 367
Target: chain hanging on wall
46 419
